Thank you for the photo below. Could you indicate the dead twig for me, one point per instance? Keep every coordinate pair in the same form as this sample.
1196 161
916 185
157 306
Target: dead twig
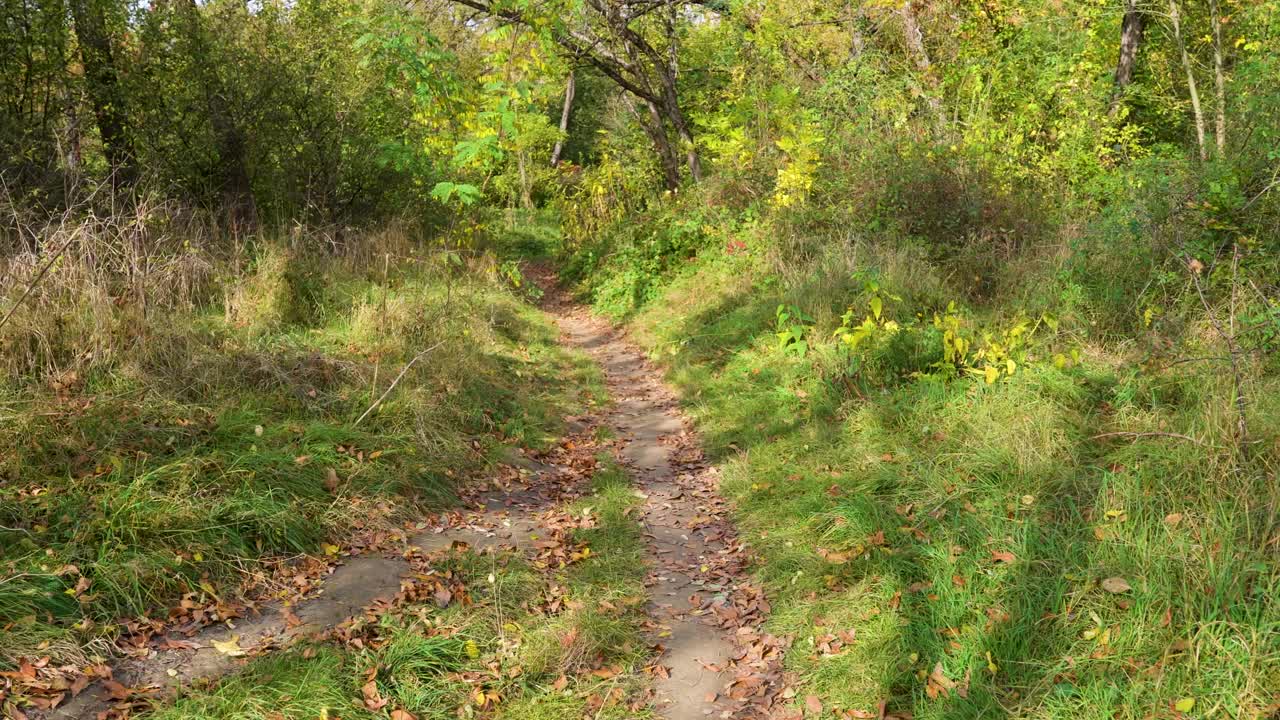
36 280
396 382
1137 435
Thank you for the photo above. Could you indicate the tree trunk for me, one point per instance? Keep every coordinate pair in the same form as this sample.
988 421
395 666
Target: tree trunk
570 87
526 192
669 77
1219 80
103 82
1176 19
673 113
1131 29
657 131
914 37
653 126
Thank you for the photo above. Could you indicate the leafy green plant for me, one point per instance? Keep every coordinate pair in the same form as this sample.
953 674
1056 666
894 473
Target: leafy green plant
874 326
465 193
792 330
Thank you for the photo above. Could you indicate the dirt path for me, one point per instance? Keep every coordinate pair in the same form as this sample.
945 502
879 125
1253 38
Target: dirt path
705 610
704 613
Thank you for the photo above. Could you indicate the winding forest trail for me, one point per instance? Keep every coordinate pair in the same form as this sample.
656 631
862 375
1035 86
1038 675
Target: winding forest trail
706 612
678 516
711 658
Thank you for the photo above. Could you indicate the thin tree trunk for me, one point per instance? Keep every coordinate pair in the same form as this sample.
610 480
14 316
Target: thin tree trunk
653 127
1219 80
671 95
103 82
1176 19
914 37
526 197
671 106
570 88
1131 29
657 130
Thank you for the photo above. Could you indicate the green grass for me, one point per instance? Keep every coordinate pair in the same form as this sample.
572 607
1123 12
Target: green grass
954 473
175 465
287 684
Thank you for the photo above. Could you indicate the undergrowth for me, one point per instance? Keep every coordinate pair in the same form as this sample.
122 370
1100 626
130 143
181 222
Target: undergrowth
167 426
1016 477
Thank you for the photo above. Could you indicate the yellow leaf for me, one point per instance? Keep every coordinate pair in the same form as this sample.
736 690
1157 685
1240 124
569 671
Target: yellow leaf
991 665
991 374
198 557
1185 705
230 647
331 549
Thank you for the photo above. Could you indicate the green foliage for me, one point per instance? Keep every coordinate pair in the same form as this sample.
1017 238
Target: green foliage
792 327
445 190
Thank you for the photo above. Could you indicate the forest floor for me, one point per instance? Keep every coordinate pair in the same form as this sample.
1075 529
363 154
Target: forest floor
602 576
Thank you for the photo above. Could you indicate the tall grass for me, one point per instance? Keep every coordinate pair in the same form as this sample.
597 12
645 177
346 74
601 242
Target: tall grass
176 405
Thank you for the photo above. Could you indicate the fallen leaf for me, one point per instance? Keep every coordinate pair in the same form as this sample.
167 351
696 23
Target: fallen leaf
1003 556
1185 705
1116 585
940 677
372 698
230 647
813 704
116 690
